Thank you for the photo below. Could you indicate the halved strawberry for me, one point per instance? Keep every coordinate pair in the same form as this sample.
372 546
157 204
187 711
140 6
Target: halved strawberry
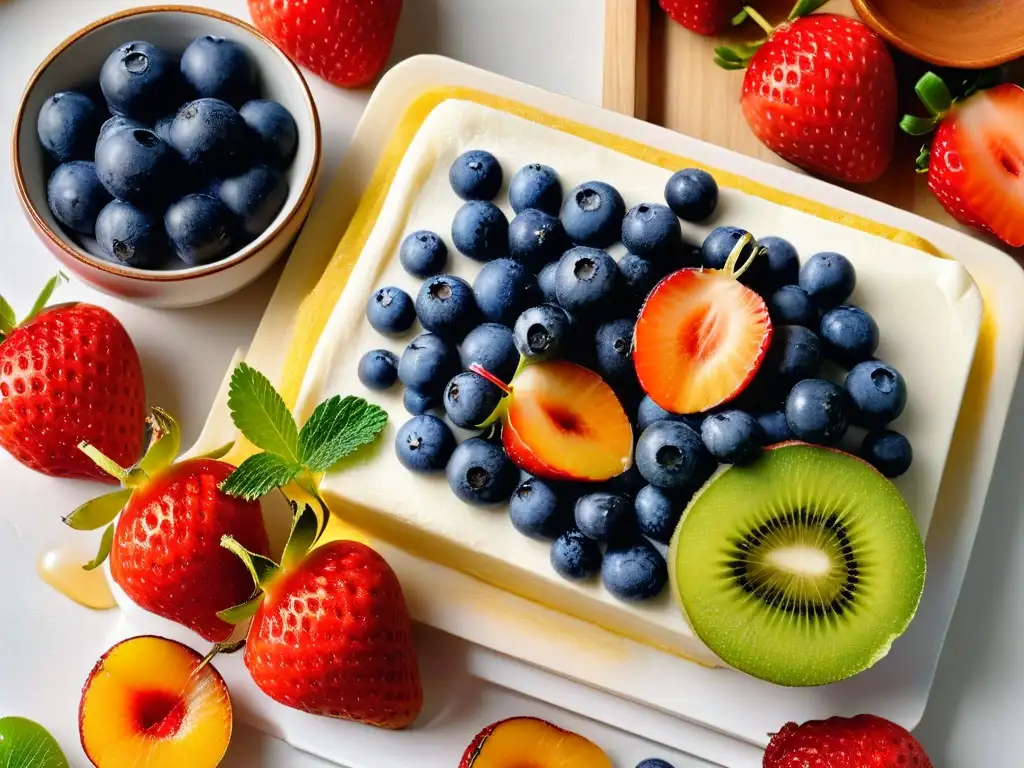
700 338
563 422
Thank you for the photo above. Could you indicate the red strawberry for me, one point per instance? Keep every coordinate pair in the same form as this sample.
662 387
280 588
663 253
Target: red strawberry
977 156
706 17
332 635
346 42
864 741
69 373
821 93
700 337
165 551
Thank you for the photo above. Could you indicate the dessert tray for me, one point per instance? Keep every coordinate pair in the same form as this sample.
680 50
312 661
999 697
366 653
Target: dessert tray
956 298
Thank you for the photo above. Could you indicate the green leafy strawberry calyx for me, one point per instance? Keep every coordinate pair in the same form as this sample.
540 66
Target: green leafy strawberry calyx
9 320
939 99
739 56
164 443
336 428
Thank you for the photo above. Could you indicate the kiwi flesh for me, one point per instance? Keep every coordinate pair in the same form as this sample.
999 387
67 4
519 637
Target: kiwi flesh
801 568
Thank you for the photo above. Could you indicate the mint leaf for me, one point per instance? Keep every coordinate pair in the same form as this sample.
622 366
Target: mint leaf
258 475
336 428
26 744
261 415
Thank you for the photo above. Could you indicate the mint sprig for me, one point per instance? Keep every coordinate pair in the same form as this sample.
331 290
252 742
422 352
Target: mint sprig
337 427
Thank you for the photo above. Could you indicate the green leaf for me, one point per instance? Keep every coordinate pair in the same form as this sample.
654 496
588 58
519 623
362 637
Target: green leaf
924 159
261 415
8 320
804 7
236 614
108 465
26 744
263 569
917 126
336 428
98 512
259 475
105 543
219 452
165 442
727 64
305 531
46 294
934 94
726 53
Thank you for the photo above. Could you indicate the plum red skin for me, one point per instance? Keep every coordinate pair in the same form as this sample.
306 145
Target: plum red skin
475 746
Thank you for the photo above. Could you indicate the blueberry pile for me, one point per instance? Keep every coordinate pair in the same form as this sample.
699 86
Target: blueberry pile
173 162
548 289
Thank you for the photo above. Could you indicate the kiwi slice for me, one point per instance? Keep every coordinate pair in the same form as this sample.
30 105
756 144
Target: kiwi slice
800 569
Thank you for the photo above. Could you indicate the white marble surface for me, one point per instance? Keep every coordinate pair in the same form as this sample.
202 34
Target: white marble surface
976 705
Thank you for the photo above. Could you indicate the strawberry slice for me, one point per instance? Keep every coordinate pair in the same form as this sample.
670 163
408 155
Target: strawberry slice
700 338
563 422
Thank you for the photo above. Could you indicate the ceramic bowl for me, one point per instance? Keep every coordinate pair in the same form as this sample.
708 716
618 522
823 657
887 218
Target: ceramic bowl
966 34
76 63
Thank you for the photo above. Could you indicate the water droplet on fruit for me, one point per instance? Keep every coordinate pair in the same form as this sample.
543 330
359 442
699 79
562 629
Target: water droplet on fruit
588 200
585 269
136 62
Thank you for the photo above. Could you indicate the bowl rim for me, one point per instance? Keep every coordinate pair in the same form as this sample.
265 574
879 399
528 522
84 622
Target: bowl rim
252 249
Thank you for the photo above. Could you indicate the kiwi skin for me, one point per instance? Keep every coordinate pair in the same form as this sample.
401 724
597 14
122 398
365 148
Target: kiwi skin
784 656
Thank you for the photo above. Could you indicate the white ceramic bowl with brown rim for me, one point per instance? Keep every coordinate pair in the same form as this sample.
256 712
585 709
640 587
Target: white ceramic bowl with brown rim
75 64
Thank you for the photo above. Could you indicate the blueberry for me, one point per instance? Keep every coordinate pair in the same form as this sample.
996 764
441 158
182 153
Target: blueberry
816 411
543 332
424 444
888 451
503 289
76 196
445 306
651 230
378 369
216 68
255 197
211 136
717 246
639 276
116 124
626 483
634 572
692 194
274 132
605 517
670 454
423 254
780 264
427 364
657 513
654 762
794 354
479 472
850 334
575 556
732 437
470 399
475 175
199 229
138 166
650 412
592 214
586 279
613 348
390 310
878 393
536 238
480 231
537 510
535 186
547 280
792 305
161 128
140 81
68 124
774 427
418 403
493 348
131 237
828 278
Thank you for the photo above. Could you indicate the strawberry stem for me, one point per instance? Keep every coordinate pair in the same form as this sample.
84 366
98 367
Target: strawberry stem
229 646
730 269
165 440
479 370
303 535
934 94
760 20
805 7
108 465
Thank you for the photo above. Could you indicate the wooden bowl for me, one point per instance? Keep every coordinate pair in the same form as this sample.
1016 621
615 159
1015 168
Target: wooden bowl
965 34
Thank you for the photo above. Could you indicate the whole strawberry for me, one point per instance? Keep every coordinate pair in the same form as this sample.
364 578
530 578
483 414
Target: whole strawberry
69 373
706 17
977 155
164 549
820 92
346 42
332 635
864 741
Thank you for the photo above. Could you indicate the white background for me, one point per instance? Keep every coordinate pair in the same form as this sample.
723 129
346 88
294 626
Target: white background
977 706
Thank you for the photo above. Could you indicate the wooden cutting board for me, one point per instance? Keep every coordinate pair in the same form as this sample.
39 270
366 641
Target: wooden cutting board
657 70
